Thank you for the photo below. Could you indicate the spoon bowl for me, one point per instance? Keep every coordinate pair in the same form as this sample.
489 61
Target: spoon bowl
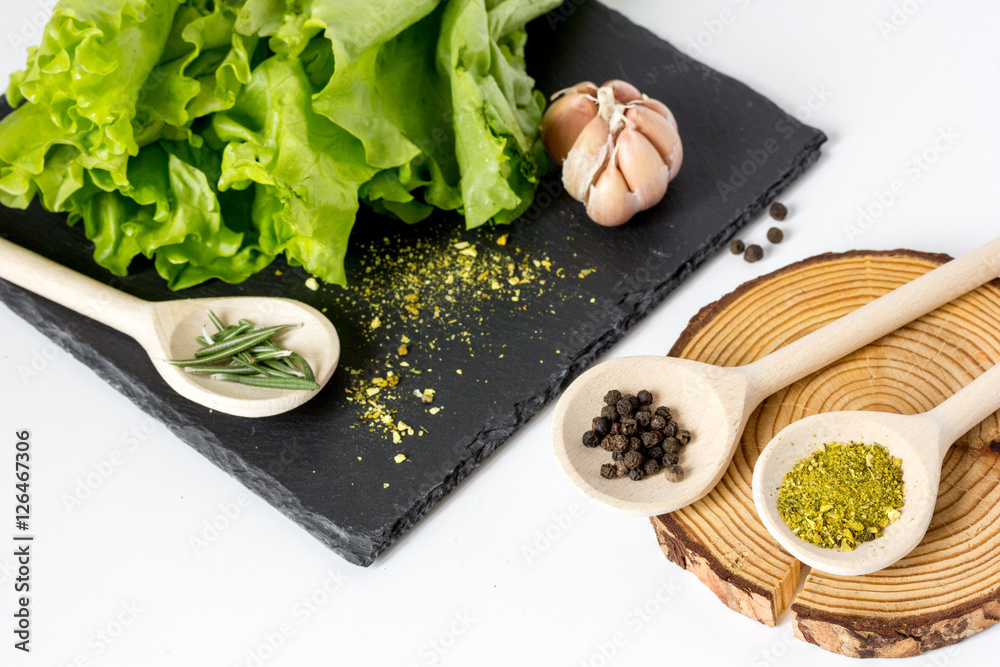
921 475
176 324
169 329
706 400
920 442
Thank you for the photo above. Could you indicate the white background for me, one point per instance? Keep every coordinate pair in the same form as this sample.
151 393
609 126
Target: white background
473 579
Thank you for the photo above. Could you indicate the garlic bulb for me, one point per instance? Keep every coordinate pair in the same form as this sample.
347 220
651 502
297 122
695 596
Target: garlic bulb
619 148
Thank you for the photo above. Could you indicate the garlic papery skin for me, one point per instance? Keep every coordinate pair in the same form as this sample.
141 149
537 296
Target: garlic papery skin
615 144
587 158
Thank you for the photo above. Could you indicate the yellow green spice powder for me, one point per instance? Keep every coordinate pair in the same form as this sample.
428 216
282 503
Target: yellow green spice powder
842 495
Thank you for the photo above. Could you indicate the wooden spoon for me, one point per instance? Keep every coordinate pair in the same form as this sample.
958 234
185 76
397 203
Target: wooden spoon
167 330
919 441
714 403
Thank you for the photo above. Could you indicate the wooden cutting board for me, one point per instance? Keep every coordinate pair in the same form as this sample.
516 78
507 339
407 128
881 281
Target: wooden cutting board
949 587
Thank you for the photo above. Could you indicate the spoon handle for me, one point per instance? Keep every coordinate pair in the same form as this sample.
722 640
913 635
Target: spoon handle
872 321
970 405
75 291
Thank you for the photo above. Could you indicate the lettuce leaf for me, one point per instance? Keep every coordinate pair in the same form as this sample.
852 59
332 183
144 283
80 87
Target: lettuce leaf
214 135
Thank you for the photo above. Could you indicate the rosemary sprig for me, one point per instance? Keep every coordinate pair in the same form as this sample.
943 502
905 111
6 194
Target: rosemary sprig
246 353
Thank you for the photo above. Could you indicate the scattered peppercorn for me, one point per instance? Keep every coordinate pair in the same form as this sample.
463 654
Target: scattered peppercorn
737 247
642 442
754 253
778 211
775 235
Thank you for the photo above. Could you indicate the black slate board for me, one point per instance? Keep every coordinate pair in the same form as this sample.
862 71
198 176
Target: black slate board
319 465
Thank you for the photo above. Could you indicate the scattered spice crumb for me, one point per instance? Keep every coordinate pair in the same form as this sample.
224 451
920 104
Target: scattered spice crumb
385 485
427 396
312 284
376 322
402 350
503 239
399 458
278 272
586 272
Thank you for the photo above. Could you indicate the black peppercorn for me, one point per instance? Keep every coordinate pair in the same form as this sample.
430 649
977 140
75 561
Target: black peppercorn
608 470
633 400
645 398
684 436
754 253
617 456
615 428
601 425
635 444
673 472
633 460
657 423
629 427
670 429
650 467
636 474
624 407
671 446
651 438
654 453
612 397
643 417
606 443
778 211
609 412
620 469
591 439
736 247
664 412
669 459
775 235
619 443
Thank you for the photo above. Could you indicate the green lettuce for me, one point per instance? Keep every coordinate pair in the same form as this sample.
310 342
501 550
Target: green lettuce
214 135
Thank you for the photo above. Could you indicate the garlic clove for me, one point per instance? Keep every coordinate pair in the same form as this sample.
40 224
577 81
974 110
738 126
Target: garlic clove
563 122
660 108
587 157
610 203
584 87
661 133
625 92
642 167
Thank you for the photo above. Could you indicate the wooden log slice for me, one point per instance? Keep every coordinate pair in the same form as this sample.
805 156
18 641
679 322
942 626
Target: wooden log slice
949 587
